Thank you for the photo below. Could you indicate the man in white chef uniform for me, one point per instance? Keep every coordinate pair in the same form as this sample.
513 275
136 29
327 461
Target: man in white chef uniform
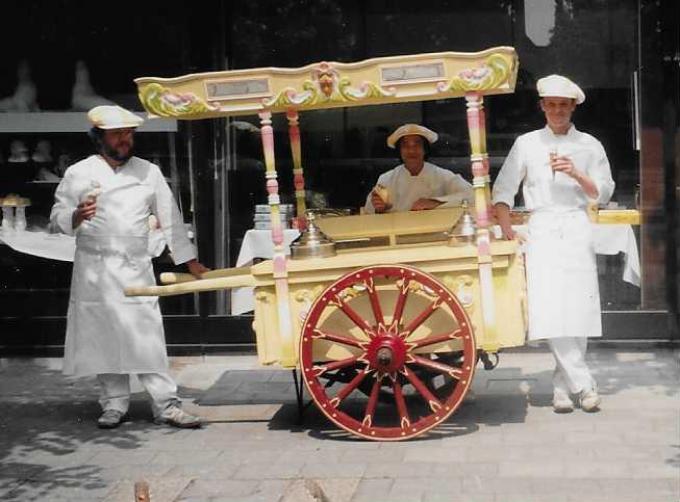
562 169
106 201
416 185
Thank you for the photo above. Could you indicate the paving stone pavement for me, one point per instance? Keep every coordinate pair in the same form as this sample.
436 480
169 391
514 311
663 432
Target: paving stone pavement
505 446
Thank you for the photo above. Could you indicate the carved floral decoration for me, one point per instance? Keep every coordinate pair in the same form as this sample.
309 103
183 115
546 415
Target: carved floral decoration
326 86
161 101
493 73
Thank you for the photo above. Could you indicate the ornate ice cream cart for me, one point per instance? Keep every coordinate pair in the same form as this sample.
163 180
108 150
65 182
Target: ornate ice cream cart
384 315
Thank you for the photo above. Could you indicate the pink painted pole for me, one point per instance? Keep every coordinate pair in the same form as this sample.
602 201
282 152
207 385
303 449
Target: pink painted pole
298 173
480 182
288 353
272 184
479 157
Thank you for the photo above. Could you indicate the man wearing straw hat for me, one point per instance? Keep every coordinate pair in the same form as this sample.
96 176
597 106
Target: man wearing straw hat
562 170
416 185
106 200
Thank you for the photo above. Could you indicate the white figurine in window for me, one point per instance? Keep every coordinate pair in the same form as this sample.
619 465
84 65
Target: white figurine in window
25 94
42 157
18 151
84 97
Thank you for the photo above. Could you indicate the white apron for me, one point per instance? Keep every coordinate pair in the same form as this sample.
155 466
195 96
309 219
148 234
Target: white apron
108 332
562 284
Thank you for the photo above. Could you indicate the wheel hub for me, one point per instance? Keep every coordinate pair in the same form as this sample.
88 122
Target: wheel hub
386 353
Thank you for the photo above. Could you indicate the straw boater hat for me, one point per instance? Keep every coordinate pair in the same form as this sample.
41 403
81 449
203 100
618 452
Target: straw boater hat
557 86
409 129
113 117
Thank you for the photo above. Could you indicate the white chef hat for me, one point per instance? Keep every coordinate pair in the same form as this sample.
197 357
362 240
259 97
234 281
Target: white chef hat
407 130
113 117
559 87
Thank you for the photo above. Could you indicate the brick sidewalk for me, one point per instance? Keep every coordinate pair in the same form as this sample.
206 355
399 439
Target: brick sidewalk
505 446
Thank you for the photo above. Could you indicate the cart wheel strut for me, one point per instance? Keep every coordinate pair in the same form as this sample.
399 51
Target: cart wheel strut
386 348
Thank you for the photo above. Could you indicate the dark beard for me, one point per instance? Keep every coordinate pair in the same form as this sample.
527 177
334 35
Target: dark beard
112 153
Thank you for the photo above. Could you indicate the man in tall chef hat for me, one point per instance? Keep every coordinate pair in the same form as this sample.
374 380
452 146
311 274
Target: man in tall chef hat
416 184
561 170
106 200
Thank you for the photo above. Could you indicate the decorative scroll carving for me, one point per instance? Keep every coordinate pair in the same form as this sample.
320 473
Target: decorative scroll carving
491 74
326 86
462 288
161 101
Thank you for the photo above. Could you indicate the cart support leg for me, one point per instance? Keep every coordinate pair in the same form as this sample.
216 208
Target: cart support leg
299 394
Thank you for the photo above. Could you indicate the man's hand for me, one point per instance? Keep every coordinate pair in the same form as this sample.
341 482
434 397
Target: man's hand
502 212
378 204
423 204
566 166
563 165
84 211
196 268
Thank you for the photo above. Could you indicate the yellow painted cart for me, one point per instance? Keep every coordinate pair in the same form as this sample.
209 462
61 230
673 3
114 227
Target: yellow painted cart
385 320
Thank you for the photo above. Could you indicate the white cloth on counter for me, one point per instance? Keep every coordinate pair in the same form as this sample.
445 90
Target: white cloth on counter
608 239
432 182
61 247
256 244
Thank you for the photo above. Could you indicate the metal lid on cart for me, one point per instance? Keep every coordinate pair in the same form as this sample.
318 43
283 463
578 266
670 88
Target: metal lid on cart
312 242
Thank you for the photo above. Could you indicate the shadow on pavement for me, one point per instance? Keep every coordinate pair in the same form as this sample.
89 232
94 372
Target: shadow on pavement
49 436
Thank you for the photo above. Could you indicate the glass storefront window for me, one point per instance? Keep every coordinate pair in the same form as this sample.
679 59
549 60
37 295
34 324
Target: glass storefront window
344 151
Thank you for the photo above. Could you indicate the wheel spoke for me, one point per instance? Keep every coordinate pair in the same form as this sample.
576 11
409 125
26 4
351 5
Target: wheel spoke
432 401
375 302
401 301
355 317
438 367
422 317
404 421
347 389
372 402
336 338
320 369
436 339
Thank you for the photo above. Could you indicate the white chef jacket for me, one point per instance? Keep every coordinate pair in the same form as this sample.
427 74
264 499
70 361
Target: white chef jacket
562 287
432 182
108 332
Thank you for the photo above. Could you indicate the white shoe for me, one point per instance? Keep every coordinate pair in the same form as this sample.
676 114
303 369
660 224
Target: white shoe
176 417
111 419
562 403
590 400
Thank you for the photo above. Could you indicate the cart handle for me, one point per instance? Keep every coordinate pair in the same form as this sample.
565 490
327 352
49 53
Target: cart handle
177 277
194 286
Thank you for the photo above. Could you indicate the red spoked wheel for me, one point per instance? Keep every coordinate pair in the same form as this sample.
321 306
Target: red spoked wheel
399 336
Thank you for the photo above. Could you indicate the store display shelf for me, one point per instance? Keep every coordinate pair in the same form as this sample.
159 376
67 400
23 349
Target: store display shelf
43 122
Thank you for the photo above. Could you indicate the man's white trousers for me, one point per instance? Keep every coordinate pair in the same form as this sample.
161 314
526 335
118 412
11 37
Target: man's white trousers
571 372
115 391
